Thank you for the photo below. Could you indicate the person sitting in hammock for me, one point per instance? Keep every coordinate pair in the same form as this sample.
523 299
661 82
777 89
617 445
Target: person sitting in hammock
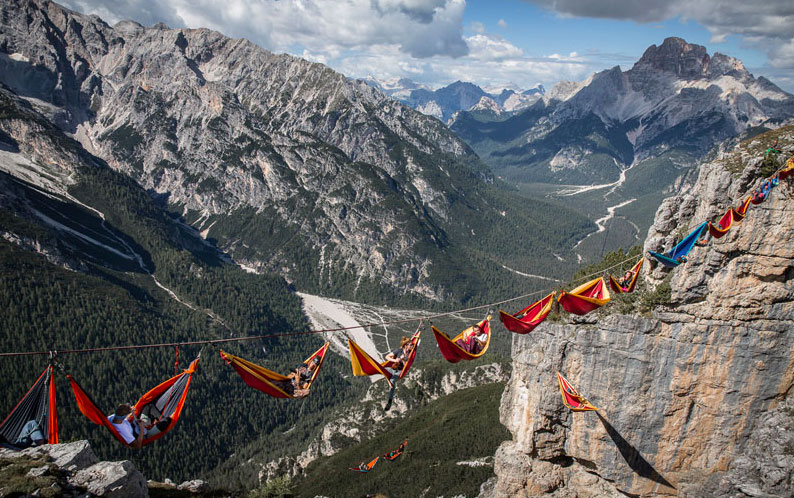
474 341
299 379
626 280
397 357
124 418
31 435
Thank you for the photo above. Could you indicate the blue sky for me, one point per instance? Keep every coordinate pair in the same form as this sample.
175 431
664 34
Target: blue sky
490 43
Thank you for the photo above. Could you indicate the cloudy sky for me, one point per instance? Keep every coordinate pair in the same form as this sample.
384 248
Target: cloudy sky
488 42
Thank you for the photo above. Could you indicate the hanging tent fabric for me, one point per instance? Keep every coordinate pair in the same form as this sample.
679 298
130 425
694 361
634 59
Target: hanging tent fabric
760 195
453 352
585 298
38 405
740 212
618 287
366 467
164 400
676 255
571 398
524 321
363 364
725 224
394 454
268 381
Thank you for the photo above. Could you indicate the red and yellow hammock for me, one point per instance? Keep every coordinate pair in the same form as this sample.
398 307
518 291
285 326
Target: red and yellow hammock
366 467
740 212
722 227
264 380
168 399
452 352
364 365
571 398
525 321
619 289
585 298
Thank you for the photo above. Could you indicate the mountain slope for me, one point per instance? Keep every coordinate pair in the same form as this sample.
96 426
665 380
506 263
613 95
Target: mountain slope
286 165
620 140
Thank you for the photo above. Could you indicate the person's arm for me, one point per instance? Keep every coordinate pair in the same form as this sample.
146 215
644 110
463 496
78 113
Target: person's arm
138 443
390 356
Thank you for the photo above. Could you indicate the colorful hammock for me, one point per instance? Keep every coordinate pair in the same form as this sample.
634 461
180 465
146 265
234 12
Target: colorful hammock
268 381
524 321
571 398
585 298
363 364
452 352
394 454
616 285
740 212
165 400
37 404
722 227
760 196
677 254
366 467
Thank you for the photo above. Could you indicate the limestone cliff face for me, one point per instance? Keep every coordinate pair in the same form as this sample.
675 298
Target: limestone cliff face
694 398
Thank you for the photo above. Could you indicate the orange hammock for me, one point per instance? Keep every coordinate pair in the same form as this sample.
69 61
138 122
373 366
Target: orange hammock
269 381
394 454
364 468
618 287
165 400
363 364
571 398
37 404
453 352
524 321
585 298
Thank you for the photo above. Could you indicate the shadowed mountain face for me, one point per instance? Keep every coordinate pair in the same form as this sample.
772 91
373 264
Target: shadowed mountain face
285 164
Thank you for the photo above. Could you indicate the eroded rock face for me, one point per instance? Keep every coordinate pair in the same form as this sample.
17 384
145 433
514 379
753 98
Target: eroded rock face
693 399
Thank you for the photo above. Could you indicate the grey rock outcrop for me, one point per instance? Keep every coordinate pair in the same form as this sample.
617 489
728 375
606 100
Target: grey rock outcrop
75 471
112 479
693 399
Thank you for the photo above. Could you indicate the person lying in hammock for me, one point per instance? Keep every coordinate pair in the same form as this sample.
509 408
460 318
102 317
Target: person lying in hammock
397 357
299 379
132 429
626 280
473 341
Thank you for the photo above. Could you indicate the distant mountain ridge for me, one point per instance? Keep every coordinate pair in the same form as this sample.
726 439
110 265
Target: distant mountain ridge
444 102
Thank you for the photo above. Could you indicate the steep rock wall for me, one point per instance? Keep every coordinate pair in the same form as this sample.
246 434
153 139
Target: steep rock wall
693 399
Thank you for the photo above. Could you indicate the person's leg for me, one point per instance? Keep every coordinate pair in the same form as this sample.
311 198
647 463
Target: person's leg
395 375
31 433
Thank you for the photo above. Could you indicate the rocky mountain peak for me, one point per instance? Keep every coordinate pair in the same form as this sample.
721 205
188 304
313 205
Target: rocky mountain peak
675 55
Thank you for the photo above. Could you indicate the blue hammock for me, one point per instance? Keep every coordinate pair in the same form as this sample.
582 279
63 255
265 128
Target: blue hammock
677 254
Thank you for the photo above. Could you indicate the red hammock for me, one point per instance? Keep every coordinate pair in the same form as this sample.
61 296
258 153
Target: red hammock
618 288
265 380
585 298
394 454
524 321
363 364
452 352
725 224
788 170
37 404
571 398
166 399
740 212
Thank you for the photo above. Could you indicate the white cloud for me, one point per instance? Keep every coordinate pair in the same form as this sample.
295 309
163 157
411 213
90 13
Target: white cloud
478 27
502 23
486 48
767 25
421 28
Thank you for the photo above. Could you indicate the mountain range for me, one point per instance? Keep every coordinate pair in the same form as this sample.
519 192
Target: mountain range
615 144
444 102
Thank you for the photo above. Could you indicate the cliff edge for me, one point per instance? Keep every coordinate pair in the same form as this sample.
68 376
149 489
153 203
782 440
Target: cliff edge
694 399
